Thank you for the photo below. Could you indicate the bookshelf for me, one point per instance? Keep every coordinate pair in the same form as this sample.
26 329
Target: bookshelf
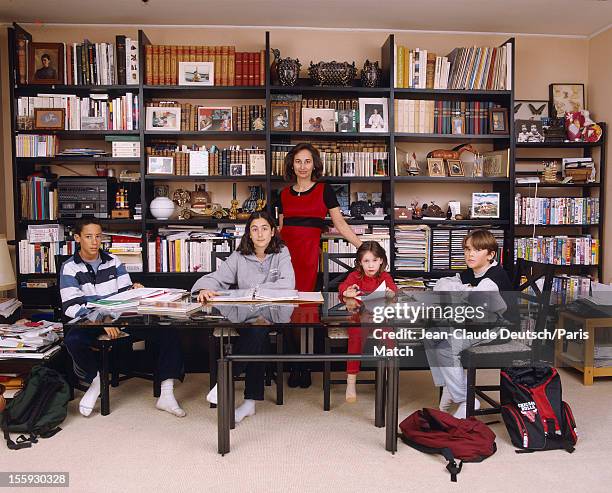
389 185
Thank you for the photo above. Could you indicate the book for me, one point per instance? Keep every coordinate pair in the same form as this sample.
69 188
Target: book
270 295
168 307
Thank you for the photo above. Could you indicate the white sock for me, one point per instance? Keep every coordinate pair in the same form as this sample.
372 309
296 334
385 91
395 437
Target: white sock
212 395
88 401
167 402
351 388
461 411
246 409
446 400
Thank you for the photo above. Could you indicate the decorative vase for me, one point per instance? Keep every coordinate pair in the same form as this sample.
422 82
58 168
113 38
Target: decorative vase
370 74
332 73
161 208
285 70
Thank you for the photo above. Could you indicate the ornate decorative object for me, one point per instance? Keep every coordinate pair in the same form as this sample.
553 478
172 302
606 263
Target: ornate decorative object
454 153
285 70
371 74
161 208
433 210
233 212
250 204
412 165
200 197
332 73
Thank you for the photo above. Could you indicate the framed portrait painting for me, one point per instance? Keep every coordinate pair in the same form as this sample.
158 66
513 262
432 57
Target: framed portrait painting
46 63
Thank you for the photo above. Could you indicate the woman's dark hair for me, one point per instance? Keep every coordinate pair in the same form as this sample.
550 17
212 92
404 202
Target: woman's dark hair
78 227
246 246
377 251
317 170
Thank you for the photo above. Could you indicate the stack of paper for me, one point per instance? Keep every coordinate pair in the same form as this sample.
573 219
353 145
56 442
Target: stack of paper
8 306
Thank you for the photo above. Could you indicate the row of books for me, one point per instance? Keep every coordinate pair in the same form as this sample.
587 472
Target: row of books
412 245
447 248
31 145
289 111
355 163
124 145
97 112
39 258
203 161
230 68
556 210
420 69
425 116
38 201
180 253
83 63
558 250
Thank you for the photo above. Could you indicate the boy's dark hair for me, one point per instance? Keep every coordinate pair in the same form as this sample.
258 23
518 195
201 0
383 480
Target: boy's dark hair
317 170
377 251
482 240
78 227
246 246
46 55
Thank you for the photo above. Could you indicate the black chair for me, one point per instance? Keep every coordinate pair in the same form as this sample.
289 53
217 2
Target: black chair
512 353
110 351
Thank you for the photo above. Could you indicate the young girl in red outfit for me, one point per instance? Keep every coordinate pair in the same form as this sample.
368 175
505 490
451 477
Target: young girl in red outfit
369 274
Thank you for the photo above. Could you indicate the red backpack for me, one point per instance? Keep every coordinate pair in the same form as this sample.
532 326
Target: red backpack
436 432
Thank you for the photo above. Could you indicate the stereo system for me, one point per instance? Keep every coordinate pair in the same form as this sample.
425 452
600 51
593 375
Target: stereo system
80 197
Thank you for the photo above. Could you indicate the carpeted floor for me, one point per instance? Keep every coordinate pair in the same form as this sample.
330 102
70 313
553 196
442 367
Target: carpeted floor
299 448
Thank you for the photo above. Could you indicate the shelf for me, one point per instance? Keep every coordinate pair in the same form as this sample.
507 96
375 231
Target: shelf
556 225
450 223
194 222
30 89
363 179
258 178
305 85
557 145
454 94
205 92
78 160
79 134
449 179
424 273
207 135
422 137
570 266
327 135
361 222
557 185
27 222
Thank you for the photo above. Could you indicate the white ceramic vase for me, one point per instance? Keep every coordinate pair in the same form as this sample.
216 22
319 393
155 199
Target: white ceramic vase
161 208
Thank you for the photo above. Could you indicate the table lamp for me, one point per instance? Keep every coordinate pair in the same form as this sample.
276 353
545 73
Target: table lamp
7 275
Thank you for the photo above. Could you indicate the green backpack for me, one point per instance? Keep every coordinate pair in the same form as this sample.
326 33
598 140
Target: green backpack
37 410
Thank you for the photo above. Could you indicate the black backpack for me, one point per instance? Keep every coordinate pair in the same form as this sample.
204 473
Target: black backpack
37 410
535 415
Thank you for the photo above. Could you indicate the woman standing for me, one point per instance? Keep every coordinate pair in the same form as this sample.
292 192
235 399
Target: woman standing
302 211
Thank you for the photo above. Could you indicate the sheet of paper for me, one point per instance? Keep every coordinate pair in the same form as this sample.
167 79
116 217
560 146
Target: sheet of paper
379 292
134 294
234 295
276 295
310 296
602 293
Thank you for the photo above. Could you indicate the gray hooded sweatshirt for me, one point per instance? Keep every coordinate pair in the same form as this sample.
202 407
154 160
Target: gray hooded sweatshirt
247 271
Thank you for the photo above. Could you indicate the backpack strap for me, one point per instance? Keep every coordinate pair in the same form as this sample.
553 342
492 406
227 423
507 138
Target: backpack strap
21 442
453 468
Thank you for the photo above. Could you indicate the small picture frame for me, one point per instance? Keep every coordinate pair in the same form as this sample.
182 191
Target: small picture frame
160 165
435 166
163 118
565 98
455 167
496 164
458 125
92 123
318 120
498 120
528 131
485 205
46 63
257 164
196 73
347 121
49 118
373 115
530 109
214 119
237 169
281 117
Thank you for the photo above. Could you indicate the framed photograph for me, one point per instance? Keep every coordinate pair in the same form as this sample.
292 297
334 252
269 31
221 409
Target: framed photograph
163 118
528 131
485 205
455 167
46 63
435 166
347 121
257 164
237 169
196 73
498 120
535 109
49 118
281 116
214 119
160 165
566 98
318 120
92 123
373 115
496 163
458 125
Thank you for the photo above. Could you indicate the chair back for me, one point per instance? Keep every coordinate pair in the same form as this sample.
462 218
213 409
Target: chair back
331 283
57 309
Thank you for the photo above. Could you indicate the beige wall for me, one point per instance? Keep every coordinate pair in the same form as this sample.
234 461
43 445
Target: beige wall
599 101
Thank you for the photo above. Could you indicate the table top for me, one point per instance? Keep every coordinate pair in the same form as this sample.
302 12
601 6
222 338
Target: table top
587 309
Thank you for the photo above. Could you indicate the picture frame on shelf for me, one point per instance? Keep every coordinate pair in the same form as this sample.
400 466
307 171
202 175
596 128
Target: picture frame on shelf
196 73
530 109
257 164
160 165
49 118
92 123
485 205
318 120
347 121
163 118
496 164
46 63
498 118
281 116
566 97
435 167
458 125
455 167
528 131
373 115
237 169
214 119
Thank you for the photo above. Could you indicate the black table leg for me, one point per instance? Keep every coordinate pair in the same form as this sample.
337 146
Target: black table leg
280 380
104 383
223 425
379 409
231 397
392 404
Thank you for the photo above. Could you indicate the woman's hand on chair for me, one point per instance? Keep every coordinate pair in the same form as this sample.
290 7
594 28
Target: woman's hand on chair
206 295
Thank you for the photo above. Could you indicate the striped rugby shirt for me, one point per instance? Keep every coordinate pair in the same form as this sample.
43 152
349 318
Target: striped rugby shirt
80 284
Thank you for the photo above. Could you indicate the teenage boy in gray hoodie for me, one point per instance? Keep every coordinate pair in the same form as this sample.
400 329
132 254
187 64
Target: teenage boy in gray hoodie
260 261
